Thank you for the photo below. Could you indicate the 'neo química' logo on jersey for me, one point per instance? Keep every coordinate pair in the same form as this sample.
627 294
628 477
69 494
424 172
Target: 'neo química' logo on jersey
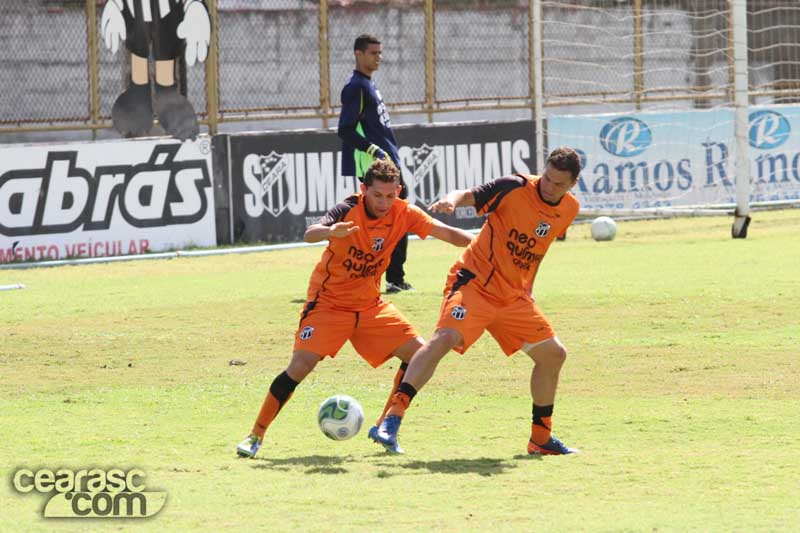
625 137
768 129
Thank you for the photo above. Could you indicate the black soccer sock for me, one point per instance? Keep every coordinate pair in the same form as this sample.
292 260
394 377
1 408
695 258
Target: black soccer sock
542 424
402 399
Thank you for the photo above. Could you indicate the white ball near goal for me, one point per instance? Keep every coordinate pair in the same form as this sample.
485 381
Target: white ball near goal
604 229
340 417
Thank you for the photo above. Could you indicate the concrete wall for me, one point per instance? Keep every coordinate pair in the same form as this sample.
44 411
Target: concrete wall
271 58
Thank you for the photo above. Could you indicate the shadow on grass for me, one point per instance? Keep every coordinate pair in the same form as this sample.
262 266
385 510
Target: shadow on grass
315 464
483 466
528 457
324 464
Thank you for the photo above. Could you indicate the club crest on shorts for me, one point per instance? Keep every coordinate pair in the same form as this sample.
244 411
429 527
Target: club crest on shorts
377 244
458 312
306 334
542 229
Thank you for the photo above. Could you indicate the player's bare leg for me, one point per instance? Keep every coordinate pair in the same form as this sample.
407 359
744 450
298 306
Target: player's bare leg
424 363
548 357
421 368
281 389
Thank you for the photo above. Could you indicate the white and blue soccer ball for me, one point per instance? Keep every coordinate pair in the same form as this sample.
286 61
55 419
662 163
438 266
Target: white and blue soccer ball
340 417
604 229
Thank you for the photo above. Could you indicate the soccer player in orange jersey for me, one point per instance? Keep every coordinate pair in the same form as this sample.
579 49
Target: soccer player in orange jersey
344 301
489 289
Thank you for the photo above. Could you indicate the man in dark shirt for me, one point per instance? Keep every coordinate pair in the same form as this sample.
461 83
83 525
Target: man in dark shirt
366 133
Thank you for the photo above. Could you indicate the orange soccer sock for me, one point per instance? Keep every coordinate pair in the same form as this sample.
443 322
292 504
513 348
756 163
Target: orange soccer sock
542 423
401 400
279 393
269 410
398 378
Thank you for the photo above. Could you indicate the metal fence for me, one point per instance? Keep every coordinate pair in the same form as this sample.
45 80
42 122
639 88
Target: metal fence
285 59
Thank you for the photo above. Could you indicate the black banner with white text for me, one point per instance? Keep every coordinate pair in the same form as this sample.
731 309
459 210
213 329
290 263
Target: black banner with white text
281 182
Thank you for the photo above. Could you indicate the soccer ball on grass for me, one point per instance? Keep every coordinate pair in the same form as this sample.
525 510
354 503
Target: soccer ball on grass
340 417
604 229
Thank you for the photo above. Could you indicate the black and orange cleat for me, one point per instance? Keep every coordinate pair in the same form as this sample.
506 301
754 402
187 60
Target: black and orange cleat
551 447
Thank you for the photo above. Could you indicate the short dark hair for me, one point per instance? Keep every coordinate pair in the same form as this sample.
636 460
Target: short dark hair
565 158
364 40
381 170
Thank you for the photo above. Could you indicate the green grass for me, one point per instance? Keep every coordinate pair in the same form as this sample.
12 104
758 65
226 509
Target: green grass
680 388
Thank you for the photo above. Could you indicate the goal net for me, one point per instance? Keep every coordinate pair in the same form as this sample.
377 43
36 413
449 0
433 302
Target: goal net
646 91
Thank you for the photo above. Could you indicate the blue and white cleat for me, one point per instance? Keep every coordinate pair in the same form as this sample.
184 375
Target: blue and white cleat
249 447
551 447
386 435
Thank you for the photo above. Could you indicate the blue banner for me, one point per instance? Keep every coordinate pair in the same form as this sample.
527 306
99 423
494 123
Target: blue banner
641 160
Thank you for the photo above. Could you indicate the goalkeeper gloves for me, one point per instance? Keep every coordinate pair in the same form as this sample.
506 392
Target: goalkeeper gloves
376 153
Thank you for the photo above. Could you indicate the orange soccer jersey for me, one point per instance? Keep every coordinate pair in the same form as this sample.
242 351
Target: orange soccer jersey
349 273
504 258
489 288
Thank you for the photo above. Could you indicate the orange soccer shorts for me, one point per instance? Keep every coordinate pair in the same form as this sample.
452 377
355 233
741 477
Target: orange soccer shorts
375 333
512 324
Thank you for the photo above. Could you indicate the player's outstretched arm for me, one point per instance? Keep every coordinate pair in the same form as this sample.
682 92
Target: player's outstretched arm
457 198
455 236
320 232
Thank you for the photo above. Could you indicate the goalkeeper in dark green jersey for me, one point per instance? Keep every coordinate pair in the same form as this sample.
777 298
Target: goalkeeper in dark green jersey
366 133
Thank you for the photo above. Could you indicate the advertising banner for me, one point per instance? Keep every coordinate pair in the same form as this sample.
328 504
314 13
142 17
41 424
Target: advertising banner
104 198
682 158
281 182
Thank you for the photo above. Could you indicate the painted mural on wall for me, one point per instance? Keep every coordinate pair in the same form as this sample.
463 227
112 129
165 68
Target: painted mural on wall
162 29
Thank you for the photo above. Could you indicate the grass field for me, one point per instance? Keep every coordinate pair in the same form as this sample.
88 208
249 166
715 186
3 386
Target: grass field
680 389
